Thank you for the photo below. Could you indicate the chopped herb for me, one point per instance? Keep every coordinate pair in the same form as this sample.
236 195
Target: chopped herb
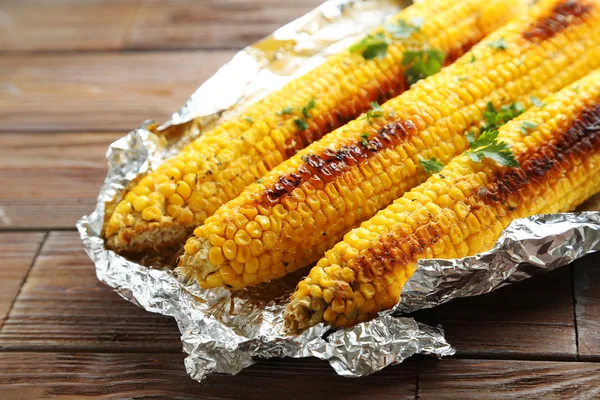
431 166
422 63
496 118
575 88
536 101
402 29
372 46
249 120
521 60
260 181
487 145
499 44
285 111
311 104
375 112
526 126
365 140
462 78
473 59
301 124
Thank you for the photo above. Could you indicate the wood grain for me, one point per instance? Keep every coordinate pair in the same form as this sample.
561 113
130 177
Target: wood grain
210 24
63 307
99 91
17 251
496 379
587 306
49 181
57 25
531 319
36 375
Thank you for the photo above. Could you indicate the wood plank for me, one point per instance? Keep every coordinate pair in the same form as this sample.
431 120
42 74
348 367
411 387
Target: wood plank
531 319
63 307
42 25
496 379
191 24
587 306
49 181
99 91
37 375
17 251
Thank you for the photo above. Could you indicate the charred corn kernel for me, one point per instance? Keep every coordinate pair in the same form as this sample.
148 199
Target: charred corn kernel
570 150
223 161
344 162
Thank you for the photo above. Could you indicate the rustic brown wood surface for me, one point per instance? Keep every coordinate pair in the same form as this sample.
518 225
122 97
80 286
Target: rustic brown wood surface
75 75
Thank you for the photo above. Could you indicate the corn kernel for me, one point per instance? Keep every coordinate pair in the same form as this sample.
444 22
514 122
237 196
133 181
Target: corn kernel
176 200
151 213
215 256
229 249
242 238
183 190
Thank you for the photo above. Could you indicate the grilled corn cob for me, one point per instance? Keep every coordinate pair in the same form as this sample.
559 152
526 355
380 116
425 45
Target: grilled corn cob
306 205
161 209
460 211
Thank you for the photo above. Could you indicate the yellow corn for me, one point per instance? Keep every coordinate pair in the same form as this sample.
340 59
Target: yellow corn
306 205
221 163
460 211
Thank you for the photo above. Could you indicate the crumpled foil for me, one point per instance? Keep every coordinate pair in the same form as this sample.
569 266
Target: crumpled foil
226 332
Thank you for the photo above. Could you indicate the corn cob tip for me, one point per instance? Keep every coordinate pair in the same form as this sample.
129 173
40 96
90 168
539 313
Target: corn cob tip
300 316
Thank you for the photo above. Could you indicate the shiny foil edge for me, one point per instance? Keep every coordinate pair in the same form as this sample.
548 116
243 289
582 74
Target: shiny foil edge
224 333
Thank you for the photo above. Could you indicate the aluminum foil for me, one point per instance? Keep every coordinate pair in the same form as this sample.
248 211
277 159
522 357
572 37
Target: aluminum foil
226 332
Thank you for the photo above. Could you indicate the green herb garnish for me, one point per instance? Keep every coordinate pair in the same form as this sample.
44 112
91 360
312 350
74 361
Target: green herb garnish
473 59
249 120
536 101
499 44
372 46
310 105
431 166
301 124
402 29
260 181
285 111
526 126
496 118
422 63
487 145
365 140
375 112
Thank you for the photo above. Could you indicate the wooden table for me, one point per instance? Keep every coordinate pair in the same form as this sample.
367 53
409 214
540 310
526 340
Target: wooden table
76 75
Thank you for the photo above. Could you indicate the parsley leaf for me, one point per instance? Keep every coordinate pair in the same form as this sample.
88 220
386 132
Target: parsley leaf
496 118
402 29
365 140
422 63
473 59
311 104
260 181
285 111
431 166
487 145
301 124
536 101
249 120
499 44
372 46
526 126
375 112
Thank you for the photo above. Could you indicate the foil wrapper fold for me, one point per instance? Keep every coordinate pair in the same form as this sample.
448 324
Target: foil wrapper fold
226 332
